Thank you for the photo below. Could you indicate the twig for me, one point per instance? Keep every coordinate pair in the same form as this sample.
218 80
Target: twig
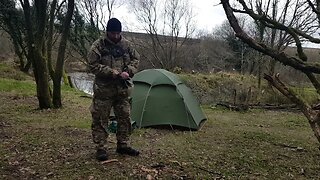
110 161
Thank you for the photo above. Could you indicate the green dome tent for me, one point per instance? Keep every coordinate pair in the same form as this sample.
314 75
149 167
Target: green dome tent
159 97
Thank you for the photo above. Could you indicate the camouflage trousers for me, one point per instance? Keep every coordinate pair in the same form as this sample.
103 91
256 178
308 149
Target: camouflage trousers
105 97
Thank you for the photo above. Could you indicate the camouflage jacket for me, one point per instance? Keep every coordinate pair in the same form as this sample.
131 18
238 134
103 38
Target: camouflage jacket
105 55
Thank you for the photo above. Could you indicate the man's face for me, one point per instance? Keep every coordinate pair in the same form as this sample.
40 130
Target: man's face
114 36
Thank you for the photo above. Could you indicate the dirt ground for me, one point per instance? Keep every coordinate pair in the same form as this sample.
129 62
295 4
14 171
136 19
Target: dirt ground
56 144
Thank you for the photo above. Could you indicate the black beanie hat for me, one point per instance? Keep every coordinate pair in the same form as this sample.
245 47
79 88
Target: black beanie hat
114 25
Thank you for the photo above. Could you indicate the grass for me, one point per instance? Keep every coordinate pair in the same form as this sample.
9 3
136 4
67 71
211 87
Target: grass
23 88
6 71
309 94
56 144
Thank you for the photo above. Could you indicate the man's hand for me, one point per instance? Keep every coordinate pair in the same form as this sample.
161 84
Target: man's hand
124 75
115 73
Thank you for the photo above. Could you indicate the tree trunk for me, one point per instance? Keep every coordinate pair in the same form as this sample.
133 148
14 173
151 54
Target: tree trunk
259 72
314 122
41 76
19 54
27 66
60 59
35 46
66 80
56 98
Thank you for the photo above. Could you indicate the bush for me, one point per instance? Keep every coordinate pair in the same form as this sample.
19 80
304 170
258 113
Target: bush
239 89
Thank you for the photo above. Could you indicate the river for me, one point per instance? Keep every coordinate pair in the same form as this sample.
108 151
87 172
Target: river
82 81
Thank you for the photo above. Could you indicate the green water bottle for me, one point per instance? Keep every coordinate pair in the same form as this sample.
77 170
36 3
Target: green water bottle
113 126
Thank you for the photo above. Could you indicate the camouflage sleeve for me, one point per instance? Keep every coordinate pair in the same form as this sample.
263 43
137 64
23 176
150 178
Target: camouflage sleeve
94 63
134 61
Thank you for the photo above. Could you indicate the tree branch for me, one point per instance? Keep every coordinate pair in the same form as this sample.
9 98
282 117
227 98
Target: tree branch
314 9
274 24
290 94
279 56
314 81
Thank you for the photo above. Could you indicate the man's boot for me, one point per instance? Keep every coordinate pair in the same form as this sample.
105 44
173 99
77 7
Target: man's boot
127 150
101 155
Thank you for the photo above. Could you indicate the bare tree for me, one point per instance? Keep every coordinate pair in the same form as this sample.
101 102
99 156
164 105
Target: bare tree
310 18
56 72
89 20
112 4
94 11
12 21
35 45
214 54
31 43
287 12
169 25
241 52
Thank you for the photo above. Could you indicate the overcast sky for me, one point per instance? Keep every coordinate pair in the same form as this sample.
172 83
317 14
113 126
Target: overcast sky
208 15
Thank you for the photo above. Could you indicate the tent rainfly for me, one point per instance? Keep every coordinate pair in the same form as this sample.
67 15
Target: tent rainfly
159 97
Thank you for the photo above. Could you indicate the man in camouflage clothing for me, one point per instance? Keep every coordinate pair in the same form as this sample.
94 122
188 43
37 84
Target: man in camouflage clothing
113 61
